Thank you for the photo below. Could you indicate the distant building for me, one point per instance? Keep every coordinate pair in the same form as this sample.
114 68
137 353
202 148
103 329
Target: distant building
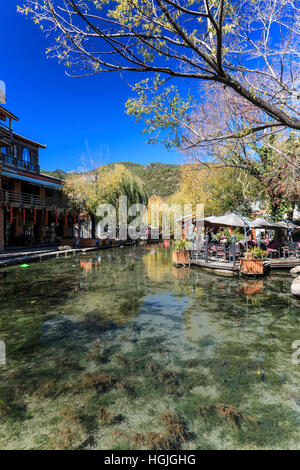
32 205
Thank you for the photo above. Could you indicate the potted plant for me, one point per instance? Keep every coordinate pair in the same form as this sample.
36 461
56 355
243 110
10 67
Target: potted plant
253 261
180 253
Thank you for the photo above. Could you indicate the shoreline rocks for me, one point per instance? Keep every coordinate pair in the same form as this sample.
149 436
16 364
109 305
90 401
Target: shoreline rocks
295 287
295 272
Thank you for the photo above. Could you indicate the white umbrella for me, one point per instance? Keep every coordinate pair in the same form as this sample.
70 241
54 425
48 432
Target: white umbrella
185 217
230 220
261 222
287 225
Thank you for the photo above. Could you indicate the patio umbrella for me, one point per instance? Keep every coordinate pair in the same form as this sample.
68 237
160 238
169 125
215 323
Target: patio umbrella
185 218
232 220
287 224
229 220
204 220
261 222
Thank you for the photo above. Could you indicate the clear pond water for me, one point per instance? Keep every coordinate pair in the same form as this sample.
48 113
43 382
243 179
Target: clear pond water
122 350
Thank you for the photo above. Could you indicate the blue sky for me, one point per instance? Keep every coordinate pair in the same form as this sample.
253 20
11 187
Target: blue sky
67 114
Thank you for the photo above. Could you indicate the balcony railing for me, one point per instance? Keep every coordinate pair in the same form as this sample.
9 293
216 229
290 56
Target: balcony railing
12 161
19 199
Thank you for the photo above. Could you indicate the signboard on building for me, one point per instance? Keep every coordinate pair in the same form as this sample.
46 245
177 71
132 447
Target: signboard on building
2 92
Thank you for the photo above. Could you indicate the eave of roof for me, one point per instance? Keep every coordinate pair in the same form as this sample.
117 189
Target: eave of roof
51 177
31 178
8 114
29 141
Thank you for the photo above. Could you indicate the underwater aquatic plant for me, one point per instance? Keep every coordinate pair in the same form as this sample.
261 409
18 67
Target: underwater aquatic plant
100 382
174 434
105 416
233 415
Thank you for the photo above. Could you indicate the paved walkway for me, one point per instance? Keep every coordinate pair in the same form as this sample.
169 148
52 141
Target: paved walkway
26 251
27 255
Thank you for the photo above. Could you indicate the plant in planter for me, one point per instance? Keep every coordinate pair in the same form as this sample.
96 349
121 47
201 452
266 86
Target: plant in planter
253 261
180 253
180 245
256 253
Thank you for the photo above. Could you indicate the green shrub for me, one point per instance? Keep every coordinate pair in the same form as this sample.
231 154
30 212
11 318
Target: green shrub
180 245
257 253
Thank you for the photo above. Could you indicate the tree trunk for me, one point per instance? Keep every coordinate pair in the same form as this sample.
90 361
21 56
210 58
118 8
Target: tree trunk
93 220
77 241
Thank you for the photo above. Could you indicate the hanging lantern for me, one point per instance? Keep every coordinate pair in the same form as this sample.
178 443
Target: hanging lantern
34 216
66 218
56 218
11 214
46 217
24 216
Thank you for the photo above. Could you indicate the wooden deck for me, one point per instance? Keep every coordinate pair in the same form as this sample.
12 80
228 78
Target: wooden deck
229 269
224 268
284 263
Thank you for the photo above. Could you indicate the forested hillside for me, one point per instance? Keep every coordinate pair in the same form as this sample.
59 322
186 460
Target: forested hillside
159 179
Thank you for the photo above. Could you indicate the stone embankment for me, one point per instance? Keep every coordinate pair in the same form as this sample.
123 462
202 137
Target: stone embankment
295 287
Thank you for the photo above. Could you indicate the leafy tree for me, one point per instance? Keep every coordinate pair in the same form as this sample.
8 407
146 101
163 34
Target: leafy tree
121 182
277 169
219 131
248 46
86 191
220 190
83 193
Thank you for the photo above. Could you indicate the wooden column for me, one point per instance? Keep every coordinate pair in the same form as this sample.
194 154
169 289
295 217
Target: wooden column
19 230
43 193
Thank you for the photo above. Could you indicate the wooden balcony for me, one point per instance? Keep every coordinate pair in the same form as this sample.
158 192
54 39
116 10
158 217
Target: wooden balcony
19 199
12 161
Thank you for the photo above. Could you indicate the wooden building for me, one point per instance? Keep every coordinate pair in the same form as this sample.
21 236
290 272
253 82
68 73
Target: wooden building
32 205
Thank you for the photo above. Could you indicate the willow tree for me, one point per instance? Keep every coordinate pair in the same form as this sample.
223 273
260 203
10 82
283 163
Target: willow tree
118 181
86 191
83 193
249 46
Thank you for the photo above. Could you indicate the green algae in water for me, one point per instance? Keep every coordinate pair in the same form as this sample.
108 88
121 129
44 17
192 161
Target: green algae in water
128 352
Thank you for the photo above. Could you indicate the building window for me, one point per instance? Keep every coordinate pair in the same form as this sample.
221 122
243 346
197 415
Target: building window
26 155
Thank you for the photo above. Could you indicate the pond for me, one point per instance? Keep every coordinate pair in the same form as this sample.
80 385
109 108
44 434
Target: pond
122 350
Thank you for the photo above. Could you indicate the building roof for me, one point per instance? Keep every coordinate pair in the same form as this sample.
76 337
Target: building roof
58 180
29 141
39 180
5 113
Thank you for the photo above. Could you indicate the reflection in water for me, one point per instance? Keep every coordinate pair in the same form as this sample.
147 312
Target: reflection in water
253 287
127 351
89 265
157 264
181 273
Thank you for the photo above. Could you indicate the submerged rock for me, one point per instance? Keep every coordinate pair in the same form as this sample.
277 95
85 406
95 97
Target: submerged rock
295 271
295 288
64 248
